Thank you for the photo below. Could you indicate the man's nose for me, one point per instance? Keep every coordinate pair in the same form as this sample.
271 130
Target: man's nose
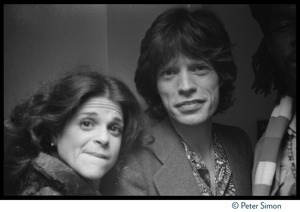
186 84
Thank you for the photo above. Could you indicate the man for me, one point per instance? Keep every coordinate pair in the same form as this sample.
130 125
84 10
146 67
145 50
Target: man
186 73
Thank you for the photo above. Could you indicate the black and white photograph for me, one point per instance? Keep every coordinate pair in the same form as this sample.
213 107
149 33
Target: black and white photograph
150 102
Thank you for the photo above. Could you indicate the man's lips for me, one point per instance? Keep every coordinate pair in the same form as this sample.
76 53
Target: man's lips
95 154
190 102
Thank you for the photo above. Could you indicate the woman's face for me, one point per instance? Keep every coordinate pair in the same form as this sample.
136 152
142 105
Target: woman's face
91 140
189 90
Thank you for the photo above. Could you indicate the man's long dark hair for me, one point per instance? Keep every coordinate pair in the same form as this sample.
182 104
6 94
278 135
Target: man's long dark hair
198 35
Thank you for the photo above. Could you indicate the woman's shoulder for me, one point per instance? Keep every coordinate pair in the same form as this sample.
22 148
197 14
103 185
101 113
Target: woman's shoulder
50 166
50 176
37 183
38 190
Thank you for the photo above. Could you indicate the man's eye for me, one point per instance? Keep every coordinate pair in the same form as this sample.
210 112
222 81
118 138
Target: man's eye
201 69
168 73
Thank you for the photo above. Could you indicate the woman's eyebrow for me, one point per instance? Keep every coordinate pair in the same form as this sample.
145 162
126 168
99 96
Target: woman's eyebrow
118 120
88 113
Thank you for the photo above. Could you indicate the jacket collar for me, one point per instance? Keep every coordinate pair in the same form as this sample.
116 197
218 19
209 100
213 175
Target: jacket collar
175 176
165 140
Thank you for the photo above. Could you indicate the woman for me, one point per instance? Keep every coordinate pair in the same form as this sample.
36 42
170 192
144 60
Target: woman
274 64
68 135
186 73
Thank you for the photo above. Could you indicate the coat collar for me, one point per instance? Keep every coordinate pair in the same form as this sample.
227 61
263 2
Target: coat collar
175 176
165 140
64 176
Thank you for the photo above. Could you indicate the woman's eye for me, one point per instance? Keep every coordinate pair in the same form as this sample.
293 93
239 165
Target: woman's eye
116 130
86 124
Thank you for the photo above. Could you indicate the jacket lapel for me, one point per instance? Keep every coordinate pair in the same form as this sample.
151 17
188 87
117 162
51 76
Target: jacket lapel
175 177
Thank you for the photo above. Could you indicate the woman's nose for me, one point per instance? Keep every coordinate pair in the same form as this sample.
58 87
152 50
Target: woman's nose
103 143
102 138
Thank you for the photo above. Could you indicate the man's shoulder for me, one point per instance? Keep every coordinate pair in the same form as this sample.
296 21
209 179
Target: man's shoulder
233 135
229 129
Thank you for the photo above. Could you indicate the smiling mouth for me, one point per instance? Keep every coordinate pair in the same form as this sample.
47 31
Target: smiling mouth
190 103
97 155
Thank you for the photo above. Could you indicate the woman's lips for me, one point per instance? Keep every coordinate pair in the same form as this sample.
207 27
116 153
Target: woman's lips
98 155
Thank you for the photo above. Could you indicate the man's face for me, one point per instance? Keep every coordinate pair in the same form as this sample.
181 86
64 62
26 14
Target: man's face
282 42
189 90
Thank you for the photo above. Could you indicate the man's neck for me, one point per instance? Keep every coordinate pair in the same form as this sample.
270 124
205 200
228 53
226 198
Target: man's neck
197 137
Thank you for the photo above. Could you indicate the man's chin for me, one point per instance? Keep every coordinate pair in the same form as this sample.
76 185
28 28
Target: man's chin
191 121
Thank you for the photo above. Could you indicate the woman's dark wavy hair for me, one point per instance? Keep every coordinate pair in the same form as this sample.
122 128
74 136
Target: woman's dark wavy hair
198 35
32 125
266 71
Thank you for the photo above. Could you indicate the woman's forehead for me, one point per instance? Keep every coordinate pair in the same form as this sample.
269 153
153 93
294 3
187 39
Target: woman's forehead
102 102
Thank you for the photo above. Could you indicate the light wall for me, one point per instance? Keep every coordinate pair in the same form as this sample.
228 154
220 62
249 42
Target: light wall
127 25
43 41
